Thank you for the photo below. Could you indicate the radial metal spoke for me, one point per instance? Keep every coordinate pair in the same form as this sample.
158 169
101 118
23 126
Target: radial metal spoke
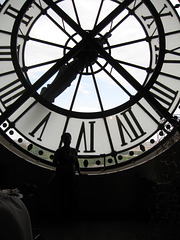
43 79
127 43
132 65
111 17
65 17
102 109
99 11
76 90
45 42
115 80
76 12
97 90
56 23
133 82
41 64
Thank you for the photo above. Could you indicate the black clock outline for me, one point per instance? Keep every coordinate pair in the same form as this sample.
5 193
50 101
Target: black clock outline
153 101
142 91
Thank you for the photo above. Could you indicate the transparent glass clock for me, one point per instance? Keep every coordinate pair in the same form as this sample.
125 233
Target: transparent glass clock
107 71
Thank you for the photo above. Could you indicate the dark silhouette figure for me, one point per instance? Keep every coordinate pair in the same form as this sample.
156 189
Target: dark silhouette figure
66 163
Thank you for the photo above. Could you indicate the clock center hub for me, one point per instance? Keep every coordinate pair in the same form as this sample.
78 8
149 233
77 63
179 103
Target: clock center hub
88 58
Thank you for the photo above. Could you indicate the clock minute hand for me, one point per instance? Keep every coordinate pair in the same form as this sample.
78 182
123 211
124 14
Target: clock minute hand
65 17
163 112
122 6
98 28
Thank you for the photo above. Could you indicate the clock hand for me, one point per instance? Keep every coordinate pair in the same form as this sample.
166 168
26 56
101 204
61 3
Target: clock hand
66 75
108 19
65 17
98 27
68 72
31 89
163 112
45 77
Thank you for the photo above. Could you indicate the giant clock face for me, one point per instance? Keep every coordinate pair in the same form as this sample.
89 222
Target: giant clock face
107 71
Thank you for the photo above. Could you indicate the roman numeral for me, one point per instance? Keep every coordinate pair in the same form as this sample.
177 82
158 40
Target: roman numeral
170 75
5 53
164 94
162 13
173 52
10 92
129 127
41 127
13 12
83 137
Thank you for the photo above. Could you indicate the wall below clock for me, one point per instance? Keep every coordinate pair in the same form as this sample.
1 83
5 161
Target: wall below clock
123 192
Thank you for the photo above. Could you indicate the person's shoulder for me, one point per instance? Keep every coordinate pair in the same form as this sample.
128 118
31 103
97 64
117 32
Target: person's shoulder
74 150
58 150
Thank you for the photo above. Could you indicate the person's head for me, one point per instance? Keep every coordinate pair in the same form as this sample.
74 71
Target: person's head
66 139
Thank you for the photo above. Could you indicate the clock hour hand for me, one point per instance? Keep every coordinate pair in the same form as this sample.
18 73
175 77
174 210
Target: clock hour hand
68 72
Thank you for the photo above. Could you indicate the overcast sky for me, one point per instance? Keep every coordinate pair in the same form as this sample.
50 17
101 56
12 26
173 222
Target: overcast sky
34 57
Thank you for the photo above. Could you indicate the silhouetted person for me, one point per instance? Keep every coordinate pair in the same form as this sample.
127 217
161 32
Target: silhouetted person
66 163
